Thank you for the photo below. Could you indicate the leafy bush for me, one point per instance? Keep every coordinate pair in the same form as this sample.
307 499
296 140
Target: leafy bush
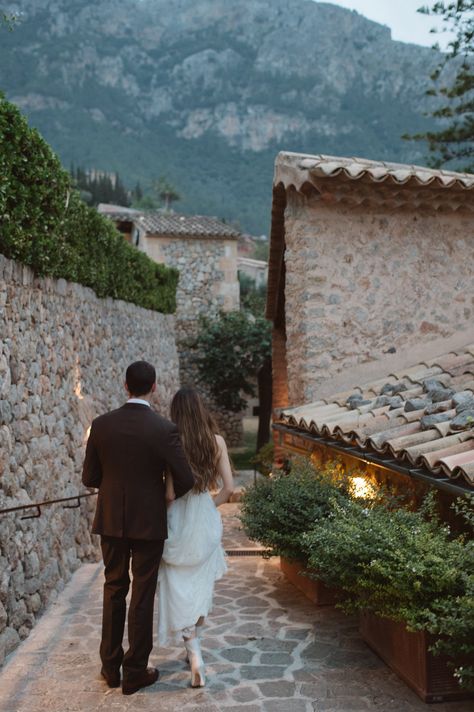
231 349
278 510
44 224
400 565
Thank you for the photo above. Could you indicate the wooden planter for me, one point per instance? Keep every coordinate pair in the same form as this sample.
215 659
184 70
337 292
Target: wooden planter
408 656
316 591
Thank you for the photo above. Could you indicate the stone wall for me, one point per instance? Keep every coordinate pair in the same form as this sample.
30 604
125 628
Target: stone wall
208 283
63 355
362 283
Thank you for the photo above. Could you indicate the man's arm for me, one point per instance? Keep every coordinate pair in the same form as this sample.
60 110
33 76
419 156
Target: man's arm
91 470
183 478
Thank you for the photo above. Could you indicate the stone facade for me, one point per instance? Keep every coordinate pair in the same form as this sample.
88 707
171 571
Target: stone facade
367 260
360 284
63 354
208 283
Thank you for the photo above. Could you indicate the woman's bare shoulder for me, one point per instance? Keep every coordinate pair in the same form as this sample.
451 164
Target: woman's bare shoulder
220 442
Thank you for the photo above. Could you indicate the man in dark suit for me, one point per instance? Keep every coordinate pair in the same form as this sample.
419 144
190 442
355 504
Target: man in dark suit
127 453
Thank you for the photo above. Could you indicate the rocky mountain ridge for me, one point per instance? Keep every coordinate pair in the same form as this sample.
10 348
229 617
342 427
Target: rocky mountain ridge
208 91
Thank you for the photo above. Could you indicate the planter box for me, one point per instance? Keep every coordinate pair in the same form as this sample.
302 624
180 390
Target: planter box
316 591
408 656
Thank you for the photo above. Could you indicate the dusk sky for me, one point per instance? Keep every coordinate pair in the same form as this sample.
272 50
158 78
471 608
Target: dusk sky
401 16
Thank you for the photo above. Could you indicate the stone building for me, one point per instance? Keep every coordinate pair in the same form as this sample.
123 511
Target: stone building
367 260
256 270
204 250
371 293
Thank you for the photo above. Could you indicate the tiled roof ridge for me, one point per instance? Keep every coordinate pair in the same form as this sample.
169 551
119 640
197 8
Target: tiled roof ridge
354 168
422 415
161 222
176 223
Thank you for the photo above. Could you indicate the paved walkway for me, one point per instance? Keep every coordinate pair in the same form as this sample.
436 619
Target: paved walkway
266 648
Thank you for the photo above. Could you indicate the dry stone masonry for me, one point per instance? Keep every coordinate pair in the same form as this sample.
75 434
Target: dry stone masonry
363 284
63 354
207 285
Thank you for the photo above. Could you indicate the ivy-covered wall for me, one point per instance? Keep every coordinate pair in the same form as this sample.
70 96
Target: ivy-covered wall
44 224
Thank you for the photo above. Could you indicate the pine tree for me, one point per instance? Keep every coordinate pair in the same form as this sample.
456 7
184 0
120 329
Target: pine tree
454 143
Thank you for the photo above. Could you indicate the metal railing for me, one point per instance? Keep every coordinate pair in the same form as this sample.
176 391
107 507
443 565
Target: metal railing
37 505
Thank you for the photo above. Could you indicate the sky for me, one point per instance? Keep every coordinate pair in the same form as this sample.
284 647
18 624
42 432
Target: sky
401 16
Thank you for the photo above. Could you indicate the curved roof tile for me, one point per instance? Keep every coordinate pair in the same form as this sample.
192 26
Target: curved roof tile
427 436
377 171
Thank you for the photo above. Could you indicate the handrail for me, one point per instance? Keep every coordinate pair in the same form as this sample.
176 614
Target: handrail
37 505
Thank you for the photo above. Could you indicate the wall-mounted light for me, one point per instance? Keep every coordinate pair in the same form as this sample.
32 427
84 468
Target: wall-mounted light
362 487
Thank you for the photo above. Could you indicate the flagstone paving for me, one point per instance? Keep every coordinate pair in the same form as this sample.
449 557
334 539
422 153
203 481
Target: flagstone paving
266 648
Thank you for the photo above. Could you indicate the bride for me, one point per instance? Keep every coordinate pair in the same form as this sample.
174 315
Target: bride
193 557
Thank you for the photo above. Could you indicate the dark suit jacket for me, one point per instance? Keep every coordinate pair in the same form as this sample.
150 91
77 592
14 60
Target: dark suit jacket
126 456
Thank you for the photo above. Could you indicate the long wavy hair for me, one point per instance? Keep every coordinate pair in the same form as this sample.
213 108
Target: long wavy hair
198 432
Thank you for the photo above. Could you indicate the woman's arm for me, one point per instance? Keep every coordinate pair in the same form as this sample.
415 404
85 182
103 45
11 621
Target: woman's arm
170 494
225 471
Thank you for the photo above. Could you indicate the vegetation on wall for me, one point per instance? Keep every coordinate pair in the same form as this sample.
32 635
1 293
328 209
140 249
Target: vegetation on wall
45 224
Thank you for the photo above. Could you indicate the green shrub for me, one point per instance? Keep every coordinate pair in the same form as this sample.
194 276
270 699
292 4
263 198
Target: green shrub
400 565
278 510
44 224
231 349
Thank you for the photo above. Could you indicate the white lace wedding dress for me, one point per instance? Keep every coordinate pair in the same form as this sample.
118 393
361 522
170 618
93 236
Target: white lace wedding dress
193 559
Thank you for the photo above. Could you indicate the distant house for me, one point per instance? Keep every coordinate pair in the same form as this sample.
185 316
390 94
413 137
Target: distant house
256 270
371 294
204 250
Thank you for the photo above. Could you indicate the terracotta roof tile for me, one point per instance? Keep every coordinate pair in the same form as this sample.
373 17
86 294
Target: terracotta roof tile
376 171
448 464
431 459
417 454
429 423
159 222
466 471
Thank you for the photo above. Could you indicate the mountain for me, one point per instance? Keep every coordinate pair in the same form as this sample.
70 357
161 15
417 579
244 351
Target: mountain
206 92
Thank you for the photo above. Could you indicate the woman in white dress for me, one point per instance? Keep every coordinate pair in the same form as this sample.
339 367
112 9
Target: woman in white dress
193 557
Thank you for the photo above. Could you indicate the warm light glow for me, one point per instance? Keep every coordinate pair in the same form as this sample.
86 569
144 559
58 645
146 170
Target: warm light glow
86 436
362 487
78 391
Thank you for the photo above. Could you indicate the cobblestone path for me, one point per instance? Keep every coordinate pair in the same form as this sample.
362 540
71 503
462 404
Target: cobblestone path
266 648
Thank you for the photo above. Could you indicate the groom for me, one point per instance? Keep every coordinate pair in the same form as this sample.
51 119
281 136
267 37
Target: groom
126 455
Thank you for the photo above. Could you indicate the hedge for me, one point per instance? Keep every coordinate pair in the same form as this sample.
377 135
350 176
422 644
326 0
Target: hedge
44 224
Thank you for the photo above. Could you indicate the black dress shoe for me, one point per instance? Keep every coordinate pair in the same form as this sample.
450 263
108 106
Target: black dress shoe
145 679
112 679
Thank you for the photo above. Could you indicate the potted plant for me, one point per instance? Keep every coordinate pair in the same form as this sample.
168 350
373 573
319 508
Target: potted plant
413 583
277 510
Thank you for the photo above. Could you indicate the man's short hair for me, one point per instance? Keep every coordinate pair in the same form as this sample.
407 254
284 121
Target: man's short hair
140 377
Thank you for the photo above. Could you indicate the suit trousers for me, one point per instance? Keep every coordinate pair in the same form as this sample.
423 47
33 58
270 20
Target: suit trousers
145 557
